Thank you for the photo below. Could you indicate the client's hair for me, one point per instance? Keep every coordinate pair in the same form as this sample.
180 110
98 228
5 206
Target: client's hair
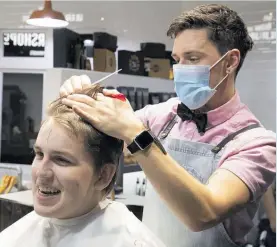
104 149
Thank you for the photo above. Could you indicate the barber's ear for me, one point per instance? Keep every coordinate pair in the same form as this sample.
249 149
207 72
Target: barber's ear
105 176
234 59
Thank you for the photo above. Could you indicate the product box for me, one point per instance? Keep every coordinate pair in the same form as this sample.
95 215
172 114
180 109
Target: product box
145 97
129 92
154 98
165 97
159 68
139 98
105 41
104 60
131 63
153 50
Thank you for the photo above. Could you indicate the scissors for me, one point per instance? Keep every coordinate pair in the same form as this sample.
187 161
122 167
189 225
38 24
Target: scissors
119 96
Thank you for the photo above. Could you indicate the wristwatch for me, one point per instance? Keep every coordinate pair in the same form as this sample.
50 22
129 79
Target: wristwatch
144 140
141 142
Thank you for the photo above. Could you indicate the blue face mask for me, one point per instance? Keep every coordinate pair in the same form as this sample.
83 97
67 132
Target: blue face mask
192 84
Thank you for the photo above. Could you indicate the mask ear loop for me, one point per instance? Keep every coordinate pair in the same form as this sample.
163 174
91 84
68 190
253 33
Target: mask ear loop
215 65
221 81
218 61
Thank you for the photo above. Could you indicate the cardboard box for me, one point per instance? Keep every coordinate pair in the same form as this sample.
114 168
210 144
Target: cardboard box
104 60
159 68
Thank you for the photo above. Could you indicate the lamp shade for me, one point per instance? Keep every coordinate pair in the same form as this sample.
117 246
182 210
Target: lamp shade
47 17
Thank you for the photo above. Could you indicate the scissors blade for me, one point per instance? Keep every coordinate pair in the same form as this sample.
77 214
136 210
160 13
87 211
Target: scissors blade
106 77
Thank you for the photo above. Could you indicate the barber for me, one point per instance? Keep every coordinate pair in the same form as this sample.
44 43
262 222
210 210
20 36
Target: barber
212 160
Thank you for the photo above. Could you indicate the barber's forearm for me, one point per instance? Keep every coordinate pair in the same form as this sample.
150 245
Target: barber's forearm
186 196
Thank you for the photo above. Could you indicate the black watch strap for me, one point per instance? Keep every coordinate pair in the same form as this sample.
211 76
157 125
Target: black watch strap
133 148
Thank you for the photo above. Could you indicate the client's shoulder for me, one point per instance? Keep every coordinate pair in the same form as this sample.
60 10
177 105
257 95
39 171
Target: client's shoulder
20 227
135 232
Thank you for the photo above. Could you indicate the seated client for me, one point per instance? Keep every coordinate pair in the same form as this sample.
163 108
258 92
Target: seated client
73 171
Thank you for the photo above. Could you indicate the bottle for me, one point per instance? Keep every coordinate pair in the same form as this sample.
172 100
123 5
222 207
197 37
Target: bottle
143 187
262 240
137 187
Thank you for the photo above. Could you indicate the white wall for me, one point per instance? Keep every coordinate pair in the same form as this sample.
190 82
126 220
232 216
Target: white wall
257 88
31 86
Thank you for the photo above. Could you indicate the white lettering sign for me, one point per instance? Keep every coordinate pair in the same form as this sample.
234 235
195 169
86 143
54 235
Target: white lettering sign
264 32
25 39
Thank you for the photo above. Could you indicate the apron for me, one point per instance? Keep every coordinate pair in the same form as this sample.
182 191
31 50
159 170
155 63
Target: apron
200 160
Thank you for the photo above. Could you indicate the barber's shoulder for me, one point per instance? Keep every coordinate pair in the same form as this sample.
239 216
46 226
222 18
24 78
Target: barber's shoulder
254 138
260 133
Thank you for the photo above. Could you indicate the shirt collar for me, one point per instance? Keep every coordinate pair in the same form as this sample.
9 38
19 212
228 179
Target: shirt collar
224 112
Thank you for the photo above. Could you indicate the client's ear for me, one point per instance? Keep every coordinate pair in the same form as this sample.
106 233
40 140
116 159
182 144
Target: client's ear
105 176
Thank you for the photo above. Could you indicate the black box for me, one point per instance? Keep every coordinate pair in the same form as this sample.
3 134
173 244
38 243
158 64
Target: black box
154 98
173 95
129 92
165 97
139 98
145 97
131 63
153 50
105 41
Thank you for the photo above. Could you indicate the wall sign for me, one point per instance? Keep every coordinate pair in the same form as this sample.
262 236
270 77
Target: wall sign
265 31
24 44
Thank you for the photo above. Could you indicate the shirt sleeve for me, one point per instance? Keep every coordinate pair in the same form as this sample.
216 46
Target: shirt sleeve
142 115
254 162
155 116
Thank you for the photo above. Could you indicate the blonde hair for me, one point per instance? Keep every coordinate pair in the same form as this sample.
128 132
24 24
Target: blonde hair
104 149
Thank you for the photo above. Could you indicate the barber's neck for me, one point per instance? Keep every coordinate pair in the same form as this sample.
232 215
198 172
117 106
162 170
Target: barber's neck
221 97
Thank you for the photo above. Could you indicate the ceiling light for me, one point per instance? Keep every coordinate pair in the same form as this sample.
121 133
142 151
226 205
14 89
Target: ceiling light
102 18
47 17
88 42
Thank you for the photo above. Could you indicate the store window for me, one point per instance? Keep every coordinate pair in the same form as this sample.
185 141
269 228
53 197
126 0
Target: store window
21 116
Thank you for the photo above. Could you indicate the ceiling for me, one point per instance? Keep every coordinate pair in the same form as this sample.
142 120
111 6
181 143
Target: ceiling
133 21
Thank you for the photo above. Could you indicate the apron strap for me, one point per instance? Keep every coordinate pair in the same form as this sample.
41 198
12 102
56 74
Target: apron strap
230 137
166 130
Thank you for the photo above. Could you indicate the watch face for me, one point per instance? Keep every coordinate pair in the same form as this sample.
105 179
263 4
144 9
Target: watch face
144 139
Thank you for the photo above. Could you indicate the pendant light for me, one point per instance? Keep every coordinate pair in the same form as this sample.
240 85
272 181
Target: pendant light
47 17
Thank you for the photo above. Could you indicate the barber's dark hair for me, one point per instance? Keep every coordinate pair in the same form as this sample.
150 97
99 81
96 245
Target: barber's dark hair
225 27
103 149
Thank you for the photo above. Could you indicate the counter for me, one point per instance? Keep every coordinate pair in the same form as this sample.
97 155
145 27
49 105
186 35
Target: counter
26 198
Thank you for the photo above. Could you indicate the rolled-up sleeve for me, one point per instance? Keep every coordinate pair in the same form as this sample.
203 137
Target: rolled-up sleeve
141 115
254 162
155 116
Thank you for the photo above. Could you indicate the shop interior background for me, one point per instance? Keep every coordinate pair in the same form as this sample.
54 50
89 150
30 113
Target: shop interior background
133 22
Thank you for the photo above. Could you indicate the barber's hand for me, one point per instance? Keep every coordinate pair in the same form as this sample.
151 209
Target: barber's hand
111 116
74 85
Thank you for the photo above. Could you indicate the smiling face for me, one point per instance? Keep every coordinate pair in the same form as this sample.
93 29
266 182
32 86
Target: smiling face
63 174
